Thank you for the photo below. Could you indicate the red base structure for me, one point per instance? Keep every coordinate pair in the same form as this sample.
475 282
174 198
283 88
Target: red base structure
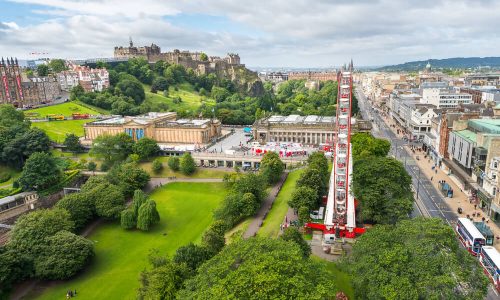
343 231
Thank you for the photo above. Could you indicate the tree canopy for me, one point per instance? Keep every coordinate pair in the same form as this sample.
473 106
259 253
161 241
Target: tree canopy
186 164
147 215
146 148
272 167
382 186
415 259
39 172
112 147
278 271
365 145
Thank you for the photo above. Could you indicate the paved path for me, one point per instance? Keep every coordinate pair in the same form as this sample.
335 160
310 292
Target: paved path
264 209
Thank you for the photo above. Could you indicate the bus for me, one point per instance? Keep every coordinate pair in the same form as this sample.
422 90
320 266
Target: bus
54 117
79 116
470 236
490 260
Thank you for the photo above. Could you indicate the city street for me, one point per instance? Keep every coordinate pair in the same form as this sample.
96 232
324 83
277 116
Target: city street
428 200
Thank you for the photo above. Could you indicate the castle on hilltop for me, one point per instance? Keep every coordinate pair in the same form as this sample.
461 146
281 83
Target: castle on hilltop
197 61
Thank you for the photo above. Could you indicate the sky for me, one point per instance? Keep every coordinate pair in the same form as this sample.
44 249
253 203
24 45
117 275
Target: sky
265 33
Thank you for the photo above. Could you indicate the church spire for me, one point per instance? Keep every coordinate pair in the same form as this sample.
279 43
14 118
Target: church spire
130 41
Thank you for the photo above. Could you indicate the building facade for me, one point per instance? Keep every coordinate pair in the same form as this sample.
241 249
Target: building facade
24 92
162 127
317 76
309 130
91 80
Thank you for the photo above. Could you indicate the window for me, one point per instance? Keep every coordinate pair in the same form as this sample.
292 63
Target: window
494 191
495 164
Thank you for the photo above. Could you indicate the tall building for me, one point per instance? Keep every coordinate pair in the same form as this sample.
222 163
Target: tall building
20 91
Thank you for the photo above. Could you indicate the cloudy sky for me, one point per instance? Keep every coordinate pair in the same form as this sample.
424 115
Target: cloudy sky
279 33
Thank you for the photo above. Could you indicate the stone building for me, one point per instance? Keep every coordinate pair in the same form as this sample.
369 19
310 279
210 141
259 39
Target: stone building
133 52
91 80
310 130
162 127
20 91
316 76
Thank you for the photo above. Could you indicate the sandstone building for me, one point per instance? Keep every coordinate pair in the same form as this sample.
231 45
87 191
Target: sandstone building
91 80
162 127
20 91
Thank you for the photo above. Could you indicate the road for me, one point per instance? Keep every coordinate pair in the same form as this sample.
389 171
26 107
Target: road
428 202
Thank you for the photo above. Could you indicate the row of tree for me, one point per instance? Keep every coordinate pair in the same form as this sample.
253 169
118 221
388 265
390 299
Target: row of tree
311 186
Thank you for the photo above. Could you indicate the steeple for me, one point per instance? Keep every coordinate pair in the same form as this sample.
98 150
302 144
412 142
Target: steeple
130 41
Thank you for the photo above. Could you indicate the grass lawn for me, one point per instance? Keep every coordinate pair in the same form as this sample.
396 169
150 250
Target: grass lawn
66 109
185 210
342 279
14 174
190 99
57 130
275 217
167 172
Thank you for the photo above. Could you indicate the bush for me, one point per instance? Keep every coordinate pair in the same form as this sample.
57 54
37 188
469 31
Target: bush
157 166
173 163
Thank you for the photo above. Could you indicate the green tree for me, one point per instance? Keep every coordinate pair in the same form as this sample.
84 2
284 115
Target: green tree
129 177
128 219
272 167
157 166
139 199
39 172
31 230
10 116
251 183
173 163
293 234
365 145
192 255
163 280
91 166
314 179
213 238
415 259
148 215
109 200
80 206
146 148
14 267
278 271
220 94
63 255
186 164
382 186
112 147
57 65
76 93
203 57
42 70
72 143
160 84
303 214
132 89
303 196
318 160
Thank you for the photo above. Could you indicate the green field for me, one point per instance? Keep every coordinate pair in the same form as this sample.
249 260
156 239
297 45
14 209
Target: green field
200 172
191 100
185 210
66 109
276 215
57 130
342 279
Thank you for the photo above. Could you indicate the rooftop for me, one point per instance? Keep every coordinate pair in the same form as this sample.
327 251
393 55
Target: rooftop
9 199
485 125
467 134
141 119
296 119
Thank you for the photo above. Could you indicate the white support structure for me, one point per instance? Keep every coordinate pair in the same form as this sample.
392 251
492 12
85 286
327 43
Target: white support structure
340 208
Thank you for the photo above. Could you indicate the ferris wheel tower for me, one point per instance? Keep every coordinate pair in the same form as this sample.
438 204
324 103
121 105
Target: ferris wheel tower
340 213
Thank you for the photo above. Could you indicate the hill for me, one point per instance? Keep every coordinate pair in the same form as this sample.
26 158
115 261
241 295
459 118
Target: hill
456 62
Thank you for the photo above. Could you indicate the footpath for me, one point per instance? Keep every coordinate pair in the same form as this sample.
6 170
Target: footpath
460 198
257 221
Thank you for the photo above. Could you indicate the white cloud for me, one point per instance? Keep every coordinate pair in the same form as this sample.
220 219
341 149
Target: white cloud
288 33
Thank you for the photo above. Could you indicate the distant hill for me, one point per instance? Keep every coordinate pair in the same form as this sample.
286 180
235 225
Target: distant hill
456 62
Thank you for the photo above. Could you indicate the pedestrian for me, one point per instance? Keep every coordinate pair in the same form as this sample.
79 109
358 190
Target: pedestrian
475 206
75 292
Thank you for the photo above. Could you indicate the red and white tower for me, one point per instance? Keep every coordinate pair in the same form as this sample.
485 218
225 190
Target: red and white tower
340 213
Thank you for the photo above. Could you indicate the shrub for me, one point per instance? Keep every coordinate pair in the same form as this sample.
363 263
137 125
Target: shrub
4 176
157 166
173 163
